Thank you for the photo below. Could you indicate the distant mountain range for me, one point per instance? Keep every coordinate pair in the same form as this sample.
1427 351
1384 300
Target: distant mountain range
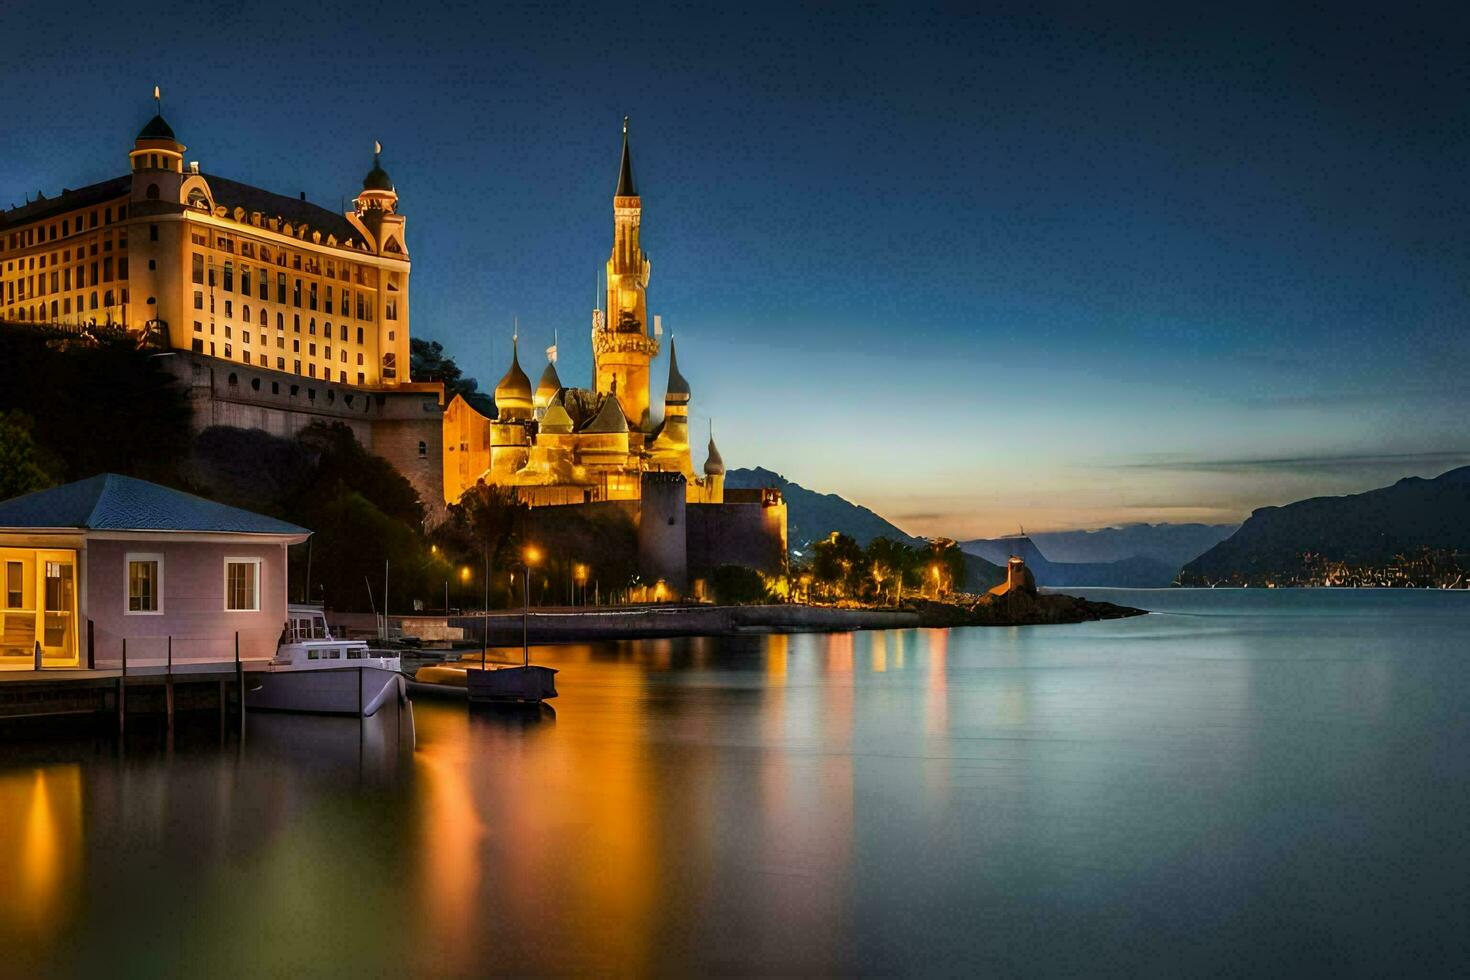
1135 572
811 515
1137 555
1416 532
1171 544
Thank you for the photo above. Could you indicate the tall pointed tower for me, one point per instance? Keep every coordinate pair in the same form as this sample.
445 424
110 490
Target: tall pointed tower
622 348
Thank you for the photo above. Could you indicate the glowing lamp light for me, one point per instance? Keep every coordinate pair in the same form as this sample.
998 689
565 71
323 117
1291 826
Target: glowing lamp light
464 574
533 555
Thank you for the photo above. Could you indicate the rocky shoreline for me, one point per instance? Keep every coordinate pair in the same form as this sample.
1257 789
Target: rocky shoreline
1021 608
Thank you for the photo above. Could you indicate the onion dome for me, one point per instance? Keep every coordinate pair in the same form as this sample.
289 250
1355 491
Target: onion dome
377 179
157 129
549 384
609 418
513 393
556 421
626 187
713 464
678 389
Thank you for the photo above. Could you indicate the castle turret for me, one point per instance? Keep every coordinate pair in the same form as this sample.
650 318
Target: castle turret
546 389
714 474
513 392
157 163
622 349
510 439
663 543
375 214
670 450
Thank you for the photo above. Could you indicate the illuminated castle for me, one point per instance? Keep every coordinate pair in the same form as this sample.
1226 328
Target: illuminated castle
560 445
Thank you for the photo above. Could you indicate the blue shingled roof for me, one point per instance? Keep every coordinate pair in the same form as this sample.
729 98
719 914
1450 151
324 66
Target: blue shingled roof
109 502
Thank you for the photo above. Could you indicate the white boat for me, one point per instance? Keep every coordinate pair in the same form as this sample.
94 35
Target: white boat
313 671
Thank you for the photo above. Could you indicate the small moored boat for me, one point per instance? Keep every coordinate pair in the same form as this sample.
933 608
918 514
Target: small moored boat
313 671
529 683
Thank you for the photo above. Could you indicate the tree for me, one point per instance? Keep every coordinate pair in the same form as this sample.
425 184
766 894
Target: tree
736 585
100 406
894 566
838 564
21 466
428 362
945 556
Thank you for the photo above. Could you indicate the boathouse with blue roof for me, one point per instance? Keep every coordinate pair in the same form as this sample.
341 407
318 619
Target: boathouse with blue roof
90 565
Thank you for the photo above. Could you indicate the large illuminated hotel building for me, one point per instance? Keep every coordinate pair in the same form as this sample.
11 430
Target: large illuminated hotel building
206 264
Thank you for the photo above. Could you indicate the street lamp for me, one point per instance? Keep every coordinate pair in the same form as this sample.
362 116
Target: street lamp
579 574
532 557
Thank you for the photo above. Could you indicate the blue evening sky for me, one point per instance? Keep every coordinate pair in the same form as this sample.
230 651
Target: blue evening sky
1054 265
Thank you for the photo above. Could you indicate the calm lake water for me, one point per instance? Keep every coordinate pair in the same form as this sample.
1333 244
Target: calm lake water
1247 782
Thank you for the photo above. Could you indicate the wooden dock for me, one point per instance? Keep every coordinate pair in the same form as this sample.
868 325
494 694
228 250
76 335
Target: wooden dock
143 690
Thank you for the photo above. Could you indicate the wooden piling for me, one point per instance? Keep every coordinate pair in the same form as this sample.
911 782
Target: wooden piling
240 682
91 648
168 685
122 691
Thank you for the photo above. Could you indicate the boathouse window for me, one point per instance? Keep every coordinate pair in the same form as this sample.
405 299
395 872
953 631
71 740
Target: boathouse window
242 584
145 584
423 449
15 585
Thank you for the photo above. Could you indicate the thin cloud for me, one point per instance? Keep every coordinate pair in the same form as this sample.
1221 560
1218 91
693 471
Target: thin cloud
1304 464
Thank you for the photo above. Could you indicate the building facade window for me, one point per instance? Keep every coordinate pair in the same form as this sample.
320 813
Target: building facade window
15 585
144 584
242 584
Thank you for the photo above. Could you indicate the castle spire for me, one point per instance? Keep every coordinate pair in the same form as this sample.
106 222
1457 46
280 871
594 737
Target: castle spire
678 388
626 187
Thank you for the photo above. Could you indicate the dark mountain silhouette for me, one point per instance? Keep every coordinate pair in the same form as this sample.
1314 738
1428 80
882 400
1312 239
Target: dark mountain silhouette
1172 544
811 515
1324 538
1136 572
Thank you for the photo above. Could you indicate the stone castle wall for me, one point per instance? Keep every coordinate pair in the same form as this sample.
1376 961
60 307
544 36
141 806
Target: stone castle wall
403 425
751 534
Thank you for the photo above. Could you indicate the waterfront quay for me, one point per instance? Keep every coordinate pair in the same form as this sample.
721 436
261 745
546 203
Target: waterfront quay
570 624
124 691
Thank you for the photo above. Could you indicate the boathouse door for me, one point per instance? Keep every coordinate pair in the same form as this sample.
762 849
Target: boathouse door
38 604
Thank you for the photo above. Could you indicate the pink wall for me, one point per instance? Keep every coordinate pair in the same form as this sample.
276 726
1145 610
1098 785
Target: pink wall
193 603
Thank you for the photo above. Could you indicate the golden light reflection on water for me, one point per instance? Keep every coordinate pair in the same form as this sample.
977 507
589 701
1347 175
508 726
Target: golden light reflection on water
880 653
777 650
530 818
40 854
936 691
451 832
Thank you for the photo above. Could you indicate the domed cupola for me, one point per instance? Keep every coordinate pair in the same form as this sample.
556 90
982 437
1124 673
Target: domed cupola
157 148
157 129
714 465
513 393
547 387
378 192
